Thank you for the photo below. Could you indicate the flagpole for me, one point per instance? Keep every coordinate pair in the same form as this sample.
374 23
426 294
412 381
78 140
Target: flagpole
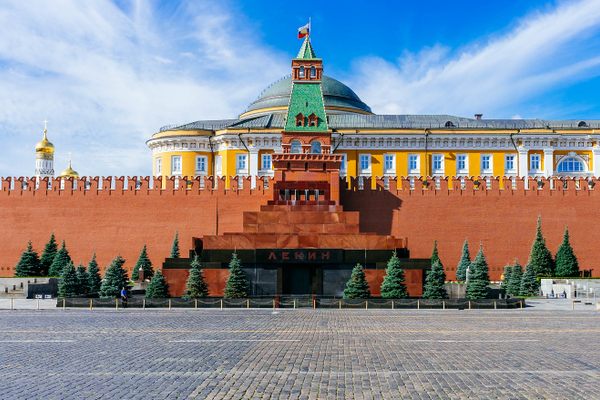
309 26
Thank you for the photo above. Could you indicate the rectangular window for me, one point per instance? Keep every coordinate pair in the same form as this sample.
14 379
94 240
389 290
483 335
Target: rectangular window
534 162
241 164
201 165
219 165
266 162
344 165
365 163
175 165
509 164
158 166
486 164
462 164
389 163
437 162
413 164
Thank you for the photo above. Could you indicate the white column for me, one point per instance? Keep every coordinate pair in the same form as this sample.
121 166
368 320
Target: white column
523 167
596 161
253 167
548 162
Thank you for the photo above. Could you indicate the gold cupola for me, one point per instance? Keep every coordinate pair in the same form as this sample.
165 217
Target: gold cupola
44 146
69 172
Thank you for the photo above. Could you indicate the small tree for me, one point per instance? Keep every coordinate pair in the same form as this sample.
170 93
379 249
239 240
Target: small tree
94 279
237 286
434 283
479 279
196 286
514 284
48 255
82 280
145 264
158 287
115 278
506 277
463 264
357 286
393 286
540 257
29 263
175 246
435 256
566 261
61 259
67 286
529 282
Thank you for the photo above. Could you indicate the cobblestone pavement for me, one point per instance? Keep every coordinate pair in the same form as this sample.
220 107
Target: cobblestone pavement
299 354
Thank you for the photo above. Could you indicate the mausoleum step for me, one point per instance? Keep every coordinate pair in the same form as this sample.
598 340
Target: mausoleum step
301 207
301 217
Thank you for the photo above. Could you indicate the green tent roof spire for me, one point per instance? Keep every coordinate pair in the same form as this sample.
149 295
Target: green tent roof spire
306 51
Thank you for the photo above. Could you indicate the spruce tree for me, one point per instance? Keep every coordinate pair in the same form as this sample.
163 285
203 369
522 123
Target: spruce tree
434 255
540 257
506 277
237 286
357 286
175 246
393 286
514 284
158 287
61 259
529 282
115 278
67 286
196 286
463 264
434 283
144 263
82 280
48 255
479 279
566 261
94 279
29 263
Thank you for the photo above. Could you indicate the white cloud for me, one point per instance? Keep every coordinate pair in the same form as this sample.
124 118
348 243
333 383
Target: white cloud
108 77
496 77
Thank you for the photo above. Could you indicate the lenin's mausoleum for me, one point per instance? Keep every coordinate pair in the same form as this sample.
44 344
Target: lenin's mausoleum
308 181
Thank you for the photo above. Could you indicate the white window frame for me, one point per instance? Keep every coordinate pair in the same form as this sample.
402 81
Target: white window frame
344 164
389 169
158 165
513 170
486 171
537 170
465 170
241 168
269 157
361 170
175 171
417 170
204 160
435 158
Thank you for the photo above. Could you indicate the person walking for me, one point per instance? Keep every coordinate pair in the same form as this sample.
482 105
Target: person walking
124 297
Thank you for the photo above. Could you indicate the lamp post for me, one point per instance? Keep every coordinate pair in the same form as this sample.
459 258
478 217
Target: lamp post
468 272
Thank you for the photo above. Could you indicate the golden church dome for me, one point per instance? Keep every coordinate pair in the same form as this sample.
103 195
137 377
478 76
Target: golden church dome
44 145
69 172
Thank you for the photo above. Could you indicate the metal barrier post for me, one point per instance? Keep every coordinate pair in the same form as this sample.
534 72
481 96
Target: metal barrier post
143 304
12 303
64 304
273 304
521 304
392 304
116 304
418 305
38 304
195 303
91 304
221 304
247 303
495 307
366 304
169 304
469 304
294 304
573 305
443 304
314 304
340 304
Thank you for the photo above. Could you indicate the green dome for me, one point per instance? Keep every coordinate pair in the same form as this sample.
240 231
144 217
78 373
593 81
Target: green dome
335 94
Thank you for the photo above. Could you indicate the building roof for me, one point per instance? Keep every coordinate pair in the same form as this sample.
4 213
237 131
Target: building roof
335 94
357 121
306 51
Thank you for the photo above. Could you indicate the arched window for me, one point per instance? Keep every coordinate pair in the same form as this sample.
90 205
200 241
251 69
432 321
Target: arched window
571 164
315 147
449 124
313 72
295 147
582 124
300 120
313 120
301 72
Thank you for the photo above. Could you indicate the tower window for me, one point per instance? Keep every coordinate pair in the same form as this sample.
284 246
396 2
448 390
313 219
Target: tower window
313 120
300 120
313 72
295 147
301 72
315 147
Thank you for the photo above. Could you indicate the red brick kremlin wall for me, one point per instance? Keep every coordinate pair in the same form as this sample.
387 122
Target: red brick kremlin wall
120 219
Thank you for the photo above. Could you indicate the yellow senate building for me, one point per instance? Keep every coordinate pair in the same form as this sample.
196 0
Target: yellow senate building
375 145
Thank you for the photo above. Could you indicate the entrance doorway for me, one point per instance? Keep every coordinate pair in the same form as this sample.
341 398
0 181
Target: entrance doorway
301 279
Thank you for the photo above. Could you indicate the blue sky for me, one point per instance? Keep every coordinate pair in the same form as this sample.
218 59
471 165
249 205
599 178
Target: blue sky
107 74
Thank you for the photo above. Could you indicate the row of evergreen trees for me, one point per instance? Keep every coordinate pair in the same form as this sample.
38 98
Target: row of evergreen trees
53 260
517 283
